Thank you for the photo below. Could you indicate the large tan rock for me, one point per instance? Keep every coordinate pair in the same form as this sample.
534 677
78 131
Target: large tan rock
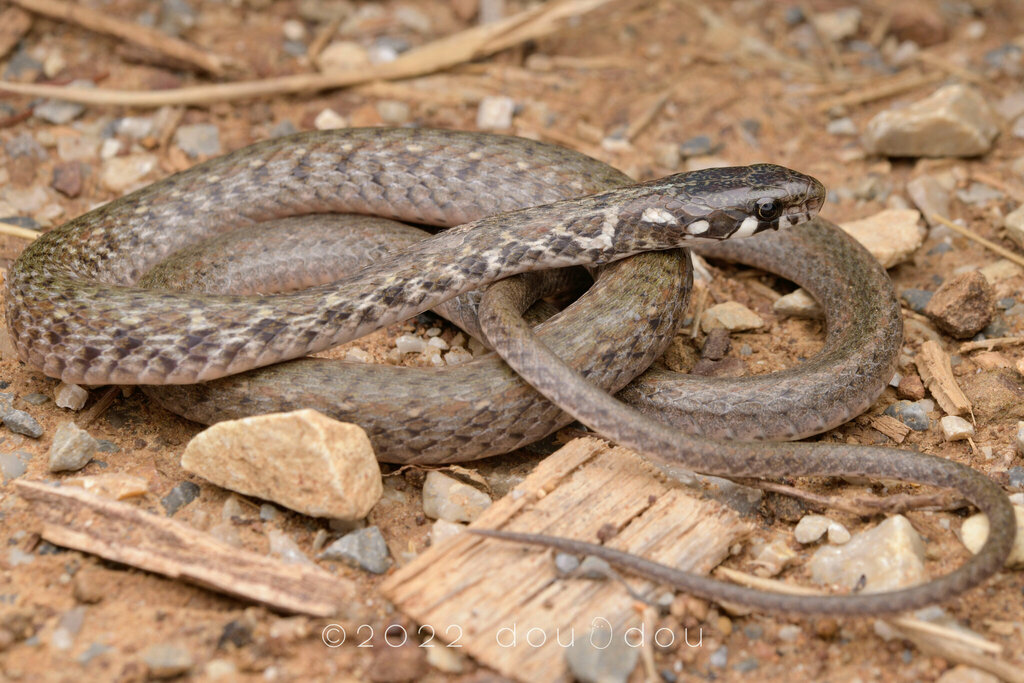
302 460
892 236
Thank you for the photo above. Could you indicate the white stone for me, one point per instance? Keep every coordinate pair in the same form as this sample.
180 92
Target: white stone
974 531
798 304
887 557
302 460
892 236
811 528
1020 438
1014 222
70 396
441 530
438 343
457 356
839 24
410 343
357 355
930 196
495 112
956 428
343 55
771 558
328 119
838 534
1000 270
731 315
72 448
121 174
449 499
294 30
953 121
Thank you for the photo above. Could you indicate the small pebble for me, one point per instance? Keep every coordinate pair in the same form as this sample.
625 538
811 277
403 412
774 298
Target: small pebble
1019 441
956 428
294 30
449 499
328 119
911 414
811 528
844 126
167 661
121 174
72 448
963 305
410 343
20 422
200 139
798 304
364 548
69 625
181 495
35 399
601 657
67 178
441 530
70 396
974 531
13 465
771 558
910 387
343 55
393 112
566 563
59 112
495 112
732 316
284 546
457 356
929 195
696 146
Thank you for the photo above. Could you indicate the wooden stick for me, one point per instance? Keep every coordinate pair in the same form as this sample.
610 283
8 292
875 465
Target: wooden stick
143 36
121 532
881 91
17 231
990 344
1005 253
441 54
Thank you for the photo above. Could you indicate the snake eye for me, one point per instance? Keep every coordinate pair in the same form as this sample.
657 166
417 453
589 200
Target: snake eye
768 209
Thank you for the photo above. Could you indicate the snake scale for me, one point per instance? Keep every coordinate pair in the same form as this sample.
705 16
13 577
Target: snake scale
76 312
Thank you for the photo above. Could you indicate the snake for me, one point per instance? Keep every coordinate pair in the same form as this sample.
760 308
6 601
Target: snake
75 311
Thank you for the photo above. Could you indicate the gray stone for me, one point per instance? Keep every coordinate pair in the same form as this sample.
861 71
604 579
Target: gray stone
24 145
700 145
35 399
844 126
566 563
70 396
979 194
58 112
601 656
953 121
13 465
929 196
135 127
911 414
72 448
181 495
364 548
283 128
200 139
917 299
20 422
167 661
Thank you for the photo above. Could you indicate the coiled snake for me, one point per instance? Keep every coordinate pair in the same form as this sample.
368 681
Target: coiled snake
75 312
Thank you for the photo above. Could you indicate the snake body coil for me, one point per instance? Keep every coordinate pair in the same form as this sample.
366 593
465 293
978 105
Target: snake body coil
75 312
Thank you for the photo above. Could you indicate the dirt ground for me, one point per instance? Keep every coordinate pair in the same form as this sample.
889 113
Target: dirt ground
625 83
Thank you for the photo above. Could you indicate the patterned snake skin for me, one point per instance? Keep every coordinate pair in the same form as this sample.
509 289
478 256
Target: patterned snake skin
75 311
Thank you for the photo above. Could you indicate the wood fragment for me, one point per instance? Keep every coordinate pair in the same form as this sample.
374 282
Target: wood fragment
144 36
479 41
14 25
74 518
890 426
104 402
323 39
881 91
988 244
864 506
989 344
473 587
647 115
937 373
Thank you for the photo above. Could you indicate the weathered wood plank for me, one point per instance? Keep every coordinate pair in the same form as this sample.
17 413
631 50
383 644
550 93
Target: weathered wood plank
482 592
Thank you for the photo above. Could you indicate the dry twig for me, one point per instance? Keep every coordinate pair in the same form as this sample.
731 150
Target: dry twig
936 371
444 53
132 32
880 91
988 244
989 344
17 231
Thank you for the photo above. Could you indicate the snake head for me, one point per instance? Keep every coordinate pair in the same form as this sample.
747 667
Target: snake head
736 201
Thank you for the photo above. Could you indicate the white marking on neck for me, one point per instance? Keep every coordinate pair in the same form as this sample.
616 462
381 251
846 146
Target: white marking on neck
747 227
659 216
698 227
